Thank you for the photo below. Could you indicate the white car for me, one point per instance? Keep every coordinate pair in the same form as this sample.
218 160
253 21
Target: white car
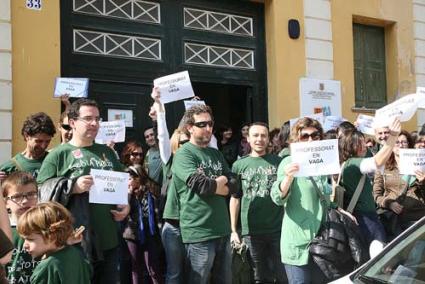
402 261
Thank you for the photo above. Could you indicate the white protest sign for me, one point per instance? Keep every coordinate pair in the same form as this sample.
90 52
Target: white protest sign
316 158
74 87
111 131
320 96
332 122
404 108
191 103
317 116
411 160
174 87
109 187
365 124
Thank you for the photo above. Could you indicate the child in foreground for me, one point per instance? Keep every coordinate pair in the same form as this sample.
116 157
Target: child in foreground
46 228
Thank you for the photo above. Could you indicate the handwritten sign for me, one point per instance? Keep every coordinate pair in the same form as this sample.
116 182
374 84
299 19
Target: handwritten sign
174 87
365 124
191 103
74 87
404 108
111 131
109 187
316 158
332 122
411 160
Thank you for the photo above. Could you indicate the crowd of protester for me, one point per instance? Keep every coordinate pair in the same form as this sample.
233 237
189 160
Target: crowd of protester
204 206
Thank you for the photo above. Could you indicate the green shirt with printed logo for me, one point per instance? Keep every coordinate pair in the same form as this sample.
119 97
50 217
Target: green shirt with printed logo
202 217
21 163
72 162
259 215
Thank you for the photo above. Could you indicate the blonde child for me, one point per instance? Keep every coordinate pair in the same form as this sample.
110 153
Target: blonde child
20 193
46 228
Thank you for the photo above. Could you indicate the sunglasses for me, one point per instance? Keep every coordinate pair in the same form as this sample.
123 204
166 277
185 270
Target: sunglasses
181 142
203 124
66 127
306 136
134 154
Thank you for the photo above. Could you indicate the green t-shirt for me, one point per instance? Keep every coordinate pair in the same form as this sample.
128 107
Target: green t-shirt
20 268
22 163
66 266
72 162
172 205
350 178
259 215
202 217
285 152
303 214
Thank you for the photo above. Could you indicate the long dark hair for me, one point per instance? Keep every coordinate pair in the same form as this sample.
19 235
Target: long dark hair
129 147
349 145
391 163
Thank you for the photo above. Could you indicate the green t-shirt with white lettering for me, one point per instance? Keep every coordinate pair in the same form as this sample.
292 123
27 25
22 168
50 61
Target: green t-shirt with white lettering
202 217
66 266
20 268
259 214
21 163
72 162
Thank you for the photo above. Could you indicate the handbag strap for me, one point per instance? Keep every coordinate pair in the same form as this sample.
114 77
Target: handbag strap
356 194
319 193
340 174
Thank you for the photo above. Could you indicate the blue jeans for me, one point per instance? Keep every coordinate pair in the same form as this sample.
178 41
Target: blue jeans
264 257
209 257
305 274
106 271
174 253
371 227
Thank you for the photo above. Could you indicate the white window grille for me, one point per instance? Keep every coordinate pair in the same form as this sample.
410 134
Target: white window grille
108 44
209 55
218 22
135 10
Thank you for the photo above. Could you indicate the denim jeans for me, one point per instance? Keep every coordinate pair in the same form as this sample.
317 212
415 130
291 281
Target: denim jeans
106 271
209 257
371 227
264 258
305 274
174 253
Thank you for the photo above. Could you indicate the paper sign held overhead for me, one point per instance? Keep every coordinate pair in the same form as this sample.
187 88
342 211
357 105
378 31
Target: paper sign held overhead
74 87
316 157
174 87
365 124
411 160
109 187
332 122
111 131
191 103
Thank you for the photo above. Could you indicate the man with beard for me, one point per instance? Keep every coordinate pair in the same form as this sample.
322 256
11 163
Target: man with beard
65 177
260 218
203 180
38 130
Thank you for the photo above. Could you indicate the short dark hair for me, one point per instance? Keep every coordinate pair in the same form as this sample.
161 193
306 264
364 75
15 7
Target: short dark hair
188 117
37 123
74 109
17 179
259 123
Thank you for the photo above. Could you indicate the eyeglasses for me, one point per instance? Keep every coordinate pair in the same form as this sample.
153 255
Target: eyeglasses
66 127
306 136
203 124
134 154
181 142
420 142
18 198
402 143
90 119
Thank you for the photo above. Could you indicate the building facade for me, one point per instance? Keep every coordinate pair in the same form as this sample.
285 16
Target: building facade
240 54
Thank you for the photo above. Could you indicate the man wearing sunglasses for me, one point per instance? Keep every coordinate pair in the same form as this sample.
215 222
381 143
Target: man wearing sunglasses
260 218
38 130
203 181
65 177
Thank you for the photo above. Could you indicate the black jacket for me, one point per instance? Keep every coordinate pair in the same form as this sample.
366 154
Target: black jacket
339 246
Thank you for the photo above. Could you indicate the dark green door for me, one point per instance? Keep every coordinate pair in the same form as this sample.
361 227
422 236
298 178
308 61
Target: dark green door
369 66
122 45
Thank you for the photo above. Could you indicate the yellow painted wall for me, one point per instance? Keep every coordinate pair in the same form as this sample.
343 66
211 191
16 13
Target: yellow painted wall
396 16
35 64
285 59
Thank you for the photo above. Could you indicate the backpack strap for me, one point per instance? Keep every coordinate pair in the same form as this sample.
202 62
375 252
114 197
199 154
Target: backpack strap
356 194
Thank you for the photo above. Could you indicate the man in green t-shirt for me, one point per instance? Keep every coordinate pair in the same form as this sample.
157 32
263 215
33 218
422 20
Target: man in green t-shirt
65 177
203 180
38 130
260 218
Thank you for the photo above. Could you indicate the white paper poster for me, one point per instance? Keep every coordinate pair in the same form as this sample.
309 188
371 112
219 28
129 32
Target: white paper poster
316 158
320 96
74 87
109 187
111 131
121 114
404 108
191 103
365 124
332 122
411 160
174 87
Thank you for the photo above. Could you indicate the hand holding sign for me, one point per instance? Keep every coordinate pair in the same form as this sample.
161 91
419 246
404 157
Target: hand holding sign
74 87
109 187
